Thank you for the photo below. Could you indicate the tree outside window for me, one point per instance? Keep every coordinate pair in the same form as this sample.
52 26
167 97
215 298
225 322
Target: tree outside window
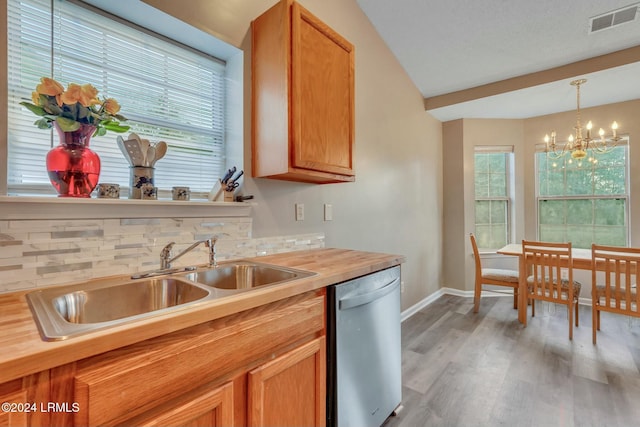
583 202
492 201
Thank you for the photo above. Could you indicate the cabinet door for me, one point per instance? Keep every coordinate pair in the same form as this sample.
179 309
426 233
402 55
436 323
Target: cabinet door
209 409
322 96
290 390
27 400
14 417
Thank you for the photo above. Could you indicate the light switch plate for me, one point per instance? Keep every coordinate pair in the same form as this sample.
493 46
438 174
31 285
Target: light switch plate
328 212
299 211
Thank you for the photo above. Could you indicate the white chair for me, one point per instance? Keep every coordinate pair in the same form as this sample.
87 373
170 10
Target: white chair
492 276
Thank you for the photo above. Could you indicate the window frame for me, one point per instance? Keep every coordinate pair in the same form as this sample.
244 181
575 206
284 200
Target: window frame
592 197
508 151
157 21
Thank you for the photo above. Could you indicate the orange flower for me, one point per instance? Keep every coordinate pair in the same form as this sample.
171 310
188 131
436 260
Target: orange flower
88 95
77 105
49 87
72 94
111 106
85 95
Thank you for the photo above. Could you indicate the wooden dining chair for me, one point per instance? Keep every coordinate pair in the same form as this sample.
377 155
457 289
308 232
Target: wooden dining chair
492 276
551 277
613 287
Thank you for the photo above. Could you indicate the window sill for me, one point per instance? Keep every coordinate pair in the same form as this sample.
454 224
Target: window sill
20 207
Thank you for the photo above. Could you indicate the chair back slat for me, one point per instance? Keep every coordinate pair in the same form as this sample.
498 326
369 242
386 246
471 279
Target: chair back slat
551 276
547 261
617 289
476 256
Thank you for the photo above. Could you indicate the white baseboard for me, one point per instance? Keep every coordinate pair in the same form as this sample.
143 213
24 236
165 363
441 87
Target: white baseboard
420 305
431 298
457 292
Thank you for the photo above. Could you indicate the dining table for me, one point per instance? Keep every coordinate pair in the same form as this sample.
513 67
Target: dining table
581 260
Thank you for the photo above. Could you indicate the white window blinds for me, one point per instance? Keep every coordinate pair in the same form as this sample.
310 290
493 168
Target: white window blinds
167 91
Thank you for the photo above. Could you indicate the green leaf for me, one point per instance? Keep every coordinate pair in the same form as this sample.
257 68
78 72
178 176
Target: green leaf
53 109
115 127
83 112
43 124
100 131
38 111
67 125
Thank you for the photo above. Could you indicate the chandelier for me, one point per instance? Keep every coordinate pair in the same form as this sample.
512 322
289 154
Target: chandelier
580 145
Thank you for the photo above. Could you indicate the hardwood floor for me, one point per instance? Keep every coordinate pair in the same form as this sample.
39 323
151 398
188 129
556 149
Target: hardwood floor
485 369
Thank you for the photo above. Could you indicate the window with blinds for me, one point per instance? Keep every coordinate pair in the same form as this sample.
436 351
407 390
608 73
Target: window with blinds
167 91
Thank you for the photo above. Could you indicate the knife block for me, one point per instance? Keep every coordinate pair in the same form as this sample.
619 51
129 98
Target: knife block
215 195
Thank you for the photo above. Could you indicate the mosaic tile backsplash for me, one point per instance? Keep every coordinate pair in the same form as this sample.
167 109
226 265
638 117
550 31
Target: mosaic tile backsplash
36 253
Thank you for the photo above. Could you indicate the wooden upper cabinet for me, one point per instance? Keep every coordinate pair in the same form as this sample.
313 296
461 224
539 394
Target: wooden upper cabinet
302 98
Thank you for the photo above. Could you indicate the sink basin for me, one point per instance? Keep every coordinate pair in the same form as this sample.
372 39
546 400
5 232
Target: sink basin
118 302
244 275
72 310
68 311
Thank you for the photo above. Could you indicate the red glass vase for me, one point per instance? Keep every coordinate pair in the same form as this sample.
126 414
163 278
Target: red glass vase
73 167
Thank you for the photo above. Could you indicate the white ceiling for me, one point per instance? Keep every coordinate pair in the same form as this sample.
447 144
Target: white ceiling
451 45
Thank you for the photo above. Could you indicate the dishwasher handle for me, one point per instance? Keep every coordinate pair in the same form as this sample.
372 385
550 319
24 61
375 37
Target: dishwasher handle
351 302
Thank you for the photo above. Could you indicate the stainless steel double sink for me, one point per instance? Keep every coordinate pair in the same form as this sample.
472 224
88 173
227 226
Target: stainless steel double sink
67 311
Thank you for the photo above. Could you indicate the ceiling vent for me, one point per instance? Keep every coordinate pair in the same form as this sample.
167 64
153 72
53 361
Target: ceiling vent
613 18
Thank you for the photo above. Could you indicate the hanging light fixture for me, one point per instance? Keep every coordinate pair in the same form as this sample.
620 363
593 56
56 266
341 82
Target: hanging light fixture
579 145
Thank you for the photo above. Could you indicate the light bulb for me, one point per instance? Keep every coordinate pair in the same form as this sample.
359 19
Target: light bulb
589 125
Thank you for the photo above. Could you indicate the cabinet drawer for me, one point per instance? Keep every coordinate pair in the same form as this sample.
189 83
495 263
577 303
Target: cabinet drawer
115 386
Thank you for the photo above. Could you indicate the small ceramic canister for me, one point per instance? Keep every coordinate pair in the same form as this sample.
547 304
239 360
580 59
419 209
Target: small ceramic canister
180 193
108 191
148 192
138 176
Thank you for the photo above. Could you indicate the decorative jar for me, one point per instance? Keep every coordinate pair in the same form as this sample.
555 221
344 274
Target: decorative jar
72 166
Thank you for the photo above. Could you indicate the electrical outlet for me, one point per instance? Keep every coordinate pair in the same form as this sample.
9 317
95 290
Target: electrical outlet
299 211
328 212
402 287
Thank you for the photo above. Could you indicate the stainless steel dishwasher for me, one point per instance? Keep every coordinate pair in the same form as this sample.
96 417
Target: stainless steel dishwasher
364 380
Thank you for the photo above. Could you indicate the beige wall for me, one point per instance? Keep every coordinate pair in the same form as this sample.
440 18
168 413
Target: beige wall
453 205
395 205
461 136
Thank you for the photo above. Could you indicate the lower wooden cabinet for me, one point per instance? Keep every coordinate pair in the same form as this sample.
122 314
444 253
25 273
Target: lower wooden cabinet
13 415
25 401
211 408
260 367
290 390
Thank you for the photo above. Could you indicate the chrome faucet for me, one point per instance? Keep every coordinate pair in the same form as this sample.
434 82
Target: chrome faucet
166 255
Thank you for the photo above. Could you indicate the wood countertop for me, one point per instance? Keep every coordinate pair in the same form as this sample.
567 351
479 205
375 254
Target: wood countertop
24 352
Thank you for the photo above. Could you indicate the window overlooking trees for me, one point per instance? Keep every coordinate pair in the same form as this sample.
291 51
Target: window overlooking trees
582 202
492 200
